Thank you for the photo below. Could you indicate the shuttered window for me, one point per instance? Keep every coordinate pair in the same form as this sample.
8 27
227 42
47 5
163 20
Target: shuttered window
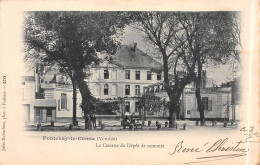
137 75
127 74
106 74
63 101
106 89
149 75
206 103
127 89
127 106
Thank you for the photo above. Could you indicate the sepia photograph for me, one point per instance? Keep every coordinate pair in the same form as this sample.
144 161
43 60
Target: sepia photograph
145 87
131 70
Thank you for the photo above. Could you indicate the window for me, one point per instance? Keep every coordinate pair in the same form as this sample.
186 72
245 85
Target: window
127 106
127 74
127 89
49 113
137 90
106 74
106 89
159 76
206 103
63 101
188 112
137 106
149 75
37 112
137 75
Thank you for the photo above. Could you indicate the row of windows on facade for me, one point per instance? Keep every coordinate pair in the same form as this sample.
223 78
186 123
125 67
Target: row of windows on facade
137 75
127 90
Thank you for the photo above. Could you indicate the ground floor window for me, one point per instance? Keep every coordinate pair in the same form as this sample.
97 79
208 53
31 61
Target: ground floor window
63 101
206 103
106 89
137 106
49 112
127 106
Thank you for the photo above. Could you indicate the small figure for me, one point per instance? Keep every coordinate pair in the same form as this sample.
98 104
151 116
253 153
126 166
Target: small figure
157 123
94 120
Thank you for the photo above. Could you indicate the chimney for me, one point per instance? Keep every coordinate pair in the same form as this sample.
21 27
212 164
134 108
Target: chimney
135 44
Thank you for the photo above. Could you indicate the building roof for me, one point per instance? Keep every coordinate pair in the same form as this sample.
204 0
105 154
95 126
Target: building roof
45 103
127 56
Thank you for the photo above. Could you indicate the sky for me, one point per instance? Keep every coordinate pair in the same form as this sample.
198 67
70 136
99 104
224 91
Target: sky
220 73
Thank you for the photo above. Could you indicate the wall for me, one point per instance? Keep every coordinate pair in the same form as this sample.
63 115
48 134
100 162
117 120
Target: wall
55 93
28 98
221 104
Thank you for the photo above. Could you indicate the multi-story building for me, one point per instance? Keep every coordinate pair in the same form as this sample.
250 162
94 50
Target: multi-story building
124 76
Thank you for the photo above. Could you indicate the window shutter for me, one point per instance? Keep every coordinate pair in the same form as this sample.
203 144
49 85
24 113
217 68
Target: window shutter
59 105
210 105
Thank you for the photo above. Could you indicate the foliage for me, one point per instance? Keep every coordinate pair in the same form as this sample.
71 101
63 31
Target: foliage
151 103
71 41
212 37
187 41
40 94
163 30
106 108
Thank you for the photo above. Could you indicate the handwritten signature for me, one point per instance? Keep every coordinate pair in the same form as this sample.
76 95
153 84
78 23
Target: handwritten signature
221 145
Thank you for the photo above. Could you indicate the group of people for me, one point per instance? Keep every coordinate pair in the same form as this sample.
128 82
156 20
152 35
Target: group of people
128 120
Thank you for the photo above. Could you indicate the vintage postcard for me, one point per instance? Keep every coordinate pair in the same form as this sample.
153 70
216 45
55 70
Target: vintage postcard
129 82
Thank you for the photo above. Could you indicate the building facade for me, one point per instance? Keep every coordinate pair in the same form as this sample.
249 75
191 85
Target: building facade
124 78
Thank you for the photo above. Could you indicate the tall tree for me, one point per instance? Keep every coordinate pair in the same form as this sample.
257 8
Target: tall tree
163 30
187 41
213 37
71 40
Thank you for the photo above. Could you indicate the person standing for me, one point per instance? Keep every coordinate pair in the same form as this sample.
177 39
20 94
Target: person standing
94 120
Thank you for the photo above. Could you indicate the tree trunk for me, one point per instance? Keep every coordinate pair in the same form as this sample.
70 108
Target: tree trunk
86 100
172 116
198 95
74 118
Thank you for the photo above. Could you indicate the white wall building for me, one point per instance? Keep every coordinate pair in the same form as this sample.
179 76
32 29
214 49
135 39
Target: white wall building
126 76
